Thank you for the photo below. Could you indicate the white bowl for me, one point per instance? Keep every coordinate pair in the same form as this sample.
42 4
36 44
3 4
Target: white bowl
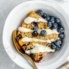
15 18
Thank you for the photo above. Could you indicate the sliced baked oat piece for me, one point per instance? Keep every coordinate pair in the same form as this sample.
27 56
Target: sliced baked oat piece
25 30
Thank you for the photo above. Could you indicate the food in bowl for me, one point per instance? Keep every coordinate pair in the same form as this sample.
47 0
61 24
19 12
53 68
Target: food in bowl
40 34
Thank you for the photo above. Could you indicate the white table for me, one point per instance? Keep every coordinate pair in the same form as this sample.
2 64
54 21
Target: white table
5 7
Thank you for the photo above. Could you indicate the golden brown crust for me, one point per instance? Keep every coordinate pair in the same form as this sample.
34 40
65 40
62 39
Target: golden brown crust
34 14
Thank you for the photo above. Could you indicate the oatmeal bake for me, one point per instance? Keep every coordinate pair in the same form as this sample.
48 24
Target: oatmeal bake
39 34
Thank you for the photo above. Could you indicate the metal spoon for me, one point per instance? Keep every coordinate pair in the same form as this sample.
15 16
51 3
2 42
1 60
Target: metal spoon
19 49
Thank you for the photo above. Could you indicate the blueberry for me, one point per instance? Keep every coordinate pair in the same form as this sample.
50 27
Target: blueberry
35 28
44 15
50 24
35 33
43 33
53 46
35 24
18 37
55 25
56 45
61 36
61 30
47 18
58 20
58 48
52 20
40 12
58 42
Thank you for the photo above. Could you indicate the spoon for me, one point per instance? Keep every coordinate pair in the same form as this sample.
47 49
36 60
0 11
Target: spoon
20 51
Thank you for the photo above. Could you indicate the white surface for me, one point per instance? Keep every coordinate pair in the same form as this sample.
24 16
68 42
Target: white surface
16 17
49 31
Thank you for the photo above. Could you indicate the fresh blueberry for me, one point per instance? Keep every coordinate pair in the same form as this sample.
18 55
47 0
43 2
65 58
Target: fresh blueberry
58 42
52 20
40 12
50 24
53 46
35 24
56 45
61 36
58 48
35 28
61 30
55 25
35 33
18 37
44 15
58 20
43 33
47 18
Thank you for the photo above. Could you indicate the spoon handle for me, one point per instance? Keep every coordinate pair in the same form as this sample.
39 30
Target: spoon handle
18 48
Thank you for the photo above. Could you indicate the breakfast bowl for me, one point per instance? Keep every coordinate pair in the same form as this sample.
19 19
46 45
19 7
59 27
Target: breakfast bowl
16 16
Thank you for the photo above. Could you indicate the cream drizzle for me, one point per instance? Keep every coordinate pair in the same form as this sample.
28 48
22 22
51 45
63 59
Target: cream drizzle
27 39
21 29
39 48
29 20
49 31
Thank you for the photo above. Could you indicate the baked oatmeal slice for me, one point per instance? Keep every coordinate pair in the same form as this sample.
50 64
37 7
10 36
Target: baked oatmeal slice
25 31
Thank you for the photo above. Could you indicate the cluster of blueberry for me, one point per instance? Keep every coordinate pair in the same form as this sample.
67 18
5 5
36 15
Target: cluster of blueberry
54 23
35 33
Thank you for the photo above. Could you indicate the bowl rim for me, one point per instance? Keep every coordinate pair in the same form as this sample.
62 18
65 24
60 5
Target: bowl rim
27 2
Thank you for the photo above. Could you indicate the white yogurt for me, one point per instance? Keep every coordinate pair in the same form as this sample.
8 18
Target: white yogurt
29 20
49 31
39 48
21 29
27 39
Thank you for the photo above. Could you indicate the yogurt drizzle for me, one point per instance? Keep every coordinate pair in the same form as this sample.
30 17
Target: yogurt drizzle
21 29
27 39
39 48
29 20
49 31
